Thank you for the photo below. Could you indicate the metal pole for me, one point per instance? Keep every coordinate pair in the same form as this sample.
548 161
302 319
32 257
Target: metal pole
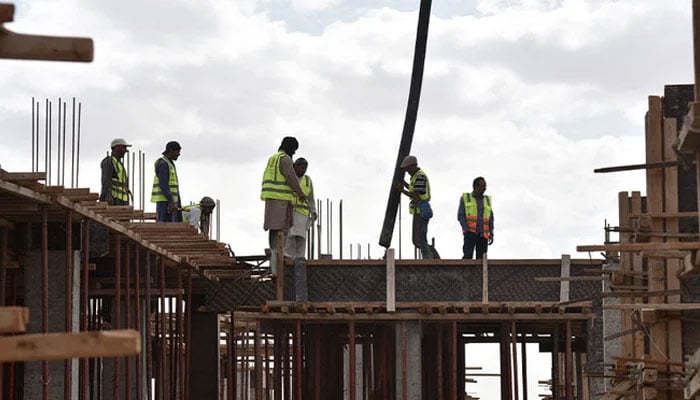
33 159
149 337
68 295
46 143
117 306
72 153
50 144
340 223
137 309
58 145
453 359
568 373
127 295
36 168
45 292
352 357
163 329
188 324
404 368
85 304
440 390
77 157
513 338
523 364
63 149
3 275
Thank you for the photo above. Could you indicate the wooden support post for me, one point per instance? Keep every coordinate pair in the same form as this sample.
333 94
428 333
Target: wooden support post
485 279
637 266
280 265
673 265
565 273
390 281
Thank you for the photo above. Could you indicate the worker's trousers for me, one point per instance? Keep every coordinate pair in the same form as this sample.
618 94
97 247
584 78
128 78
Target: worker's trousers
471 241
420 236
295 246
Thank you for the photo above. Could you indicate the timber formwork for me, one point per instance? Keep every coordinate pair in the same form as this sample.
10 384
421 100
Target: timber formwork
651 301
369 325
102 288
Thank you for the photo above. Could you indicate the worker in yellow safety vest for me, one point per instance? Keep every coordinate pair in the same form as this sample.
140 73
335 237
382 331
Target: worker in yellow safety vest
166 187
115 182
475 214
418 190
279 187
304 213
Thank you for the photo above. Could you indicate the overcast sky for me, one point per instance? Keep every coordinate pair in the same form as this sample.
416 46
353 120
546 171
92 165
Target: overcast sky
531 94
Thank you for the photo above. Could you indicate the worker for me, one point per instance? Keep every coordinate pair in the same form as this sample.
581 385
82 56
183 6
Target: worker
279 186
304 213
166 191
476 217
418 190
198 215
115 182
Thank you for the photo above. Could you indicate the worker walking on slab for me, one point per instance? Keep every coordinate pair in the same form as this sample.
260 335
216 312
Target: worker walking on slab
166 188
279 186
115 182
304 213
418 190
476 217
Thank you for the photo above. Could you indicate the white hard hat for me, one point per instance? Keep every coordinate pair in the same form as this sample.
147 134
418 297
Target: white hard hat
120 141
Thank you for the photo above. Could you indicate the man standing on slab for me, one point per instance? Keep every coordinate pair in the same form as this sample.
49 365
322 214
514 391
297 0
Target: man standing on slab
476 217
279 187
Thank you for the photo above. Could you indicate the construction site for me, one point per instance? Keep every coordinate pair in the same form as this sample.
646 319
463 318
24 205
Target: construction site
100 301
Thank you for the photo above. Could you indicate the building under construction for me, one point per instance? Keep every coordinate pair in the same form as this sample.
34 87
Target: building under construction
102 302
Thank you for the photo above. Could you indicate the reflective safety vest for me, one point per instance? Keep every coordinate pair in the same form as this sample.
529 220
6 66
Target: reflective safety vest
471 211
274 184
302 207
413 207
157 194
120 184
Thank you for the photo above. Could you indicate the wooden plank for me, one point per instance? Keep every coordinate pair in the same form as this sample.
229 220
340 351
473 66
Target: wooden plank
22 176
638 340
654 306
13 319
390 281
484 279
635 247
566 275
409 316
568 279
58 346
668 215
655 203
50 48
673 265
7 12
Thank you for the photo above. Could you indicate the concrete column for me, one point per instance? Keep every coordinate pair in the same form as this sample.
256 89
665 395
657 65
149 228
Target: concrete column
204 367
33 386
413 334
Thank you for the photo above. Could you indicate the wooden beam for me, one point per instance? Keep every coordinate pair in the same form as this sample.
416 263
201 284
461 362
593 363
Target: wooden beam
58 346
7 12
654 306
634 247
13 319
566 275
568 279
50 48
390 281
